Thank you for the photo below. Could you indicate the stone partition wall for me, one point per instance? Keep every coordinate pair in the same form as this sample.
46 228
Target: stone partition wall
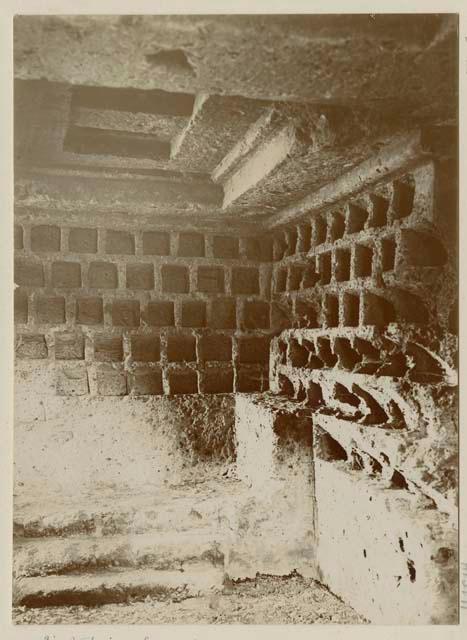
366 294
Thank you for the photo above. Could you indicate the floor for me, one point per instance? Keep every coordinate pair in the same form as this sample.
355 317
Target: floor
264 600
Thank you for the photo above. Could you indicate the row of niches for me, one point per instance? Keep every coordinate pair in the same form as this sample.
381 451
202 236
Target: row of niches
106 379
350 307
380 357
387 207
329 449
52 239
375 257
165 347
352 402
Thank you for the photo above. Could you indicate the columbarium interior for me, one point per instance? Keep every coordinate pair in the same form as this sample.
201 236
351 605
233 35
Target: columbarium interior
236 308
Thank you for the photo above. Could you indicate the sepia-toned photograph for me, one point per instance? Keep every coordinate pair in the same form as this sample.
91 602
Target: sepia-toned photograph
236 312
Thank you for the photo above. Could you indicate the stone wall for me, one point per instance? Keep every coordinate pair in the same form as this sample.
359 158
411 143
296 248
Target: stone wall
143 312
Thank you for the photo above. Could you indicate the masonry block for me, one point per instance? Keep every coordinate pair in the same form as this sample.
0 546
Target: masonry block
183 382
253 350
191 245
160 314
175 279
181 348
72 381
211 279
89 311
111 380
256 315
108 348
103 275
125 313
145 381
140 276
194 313
251 380
259 249
50 310
223 313
120 242
225 247
19 244
156 243
66 275
145 348
45 238
82 240
21 306
245 280
69 346
31 346
29 273
216 346
218 380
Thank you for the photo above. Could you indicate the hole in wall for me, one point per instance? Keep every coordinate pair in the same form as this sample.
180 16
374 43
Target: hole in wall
319 232
403 198
376 413
281 280
324 266
286 388
337 227
388 254
348 357
363 264
351 311
325 353
298 354
377 310
342 394
314 395
356 218
328 449
294 278
304 238
331 311
342 262
379 210
398 481
291 241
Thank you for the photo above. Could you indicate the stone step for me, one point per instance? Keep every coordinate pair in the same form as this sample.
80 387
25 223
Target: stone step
115 585
156 550
181 508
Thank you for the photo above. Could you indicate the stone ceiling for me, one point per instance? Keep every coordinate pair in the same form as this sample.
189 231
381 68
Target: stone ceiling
219 120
